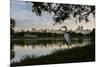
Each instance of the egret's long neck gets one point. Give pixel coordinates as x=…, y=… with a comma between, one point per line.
x=65, y=29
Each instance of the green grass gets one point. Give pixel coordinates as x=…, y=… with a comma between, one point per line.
x=83, y=54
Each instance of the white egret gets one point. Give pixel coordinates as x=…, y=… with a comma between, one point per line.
x=66, y=35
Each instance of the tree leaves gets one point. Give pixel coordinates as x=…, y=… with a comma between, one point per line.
x=62, y=12
x=12, y=23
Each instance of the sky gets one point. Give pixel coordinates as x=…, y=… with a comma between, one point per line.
x=22, y=13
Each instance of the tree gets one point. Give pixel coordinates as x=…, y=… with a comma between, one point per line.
x=12, y=25
x=62, y=12
x=93, y=33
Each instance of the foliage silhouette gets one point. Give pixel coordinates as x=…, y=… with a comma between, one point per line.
x=62, y=12
x=12, y=25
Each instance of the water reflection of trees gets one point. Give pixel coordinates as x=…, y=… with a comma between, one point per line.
x=46, y=43
x=12, y=53
x=37, y=42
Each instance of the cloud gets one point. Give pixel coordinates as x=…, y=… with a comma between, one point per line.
x=24, y=17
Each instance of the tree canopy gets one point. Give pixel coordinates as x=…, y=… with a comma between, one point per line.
x=62, y=12
x=12, y=23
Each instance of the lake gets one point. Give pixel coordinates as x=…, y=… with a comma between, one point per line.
x=36, y=48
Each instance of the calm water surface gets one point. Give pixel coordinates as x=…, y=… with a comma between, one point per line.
x=37, y=48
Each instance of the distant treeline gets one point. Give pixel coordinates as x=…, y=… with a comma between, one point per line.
x=48, y=34
x=37, y=34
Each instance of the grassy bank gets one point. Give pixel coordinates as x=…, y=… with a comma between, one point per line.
x=82, y=54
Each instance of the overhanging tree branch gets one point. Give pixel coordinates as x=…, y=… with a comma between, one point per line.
x=62, y=12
